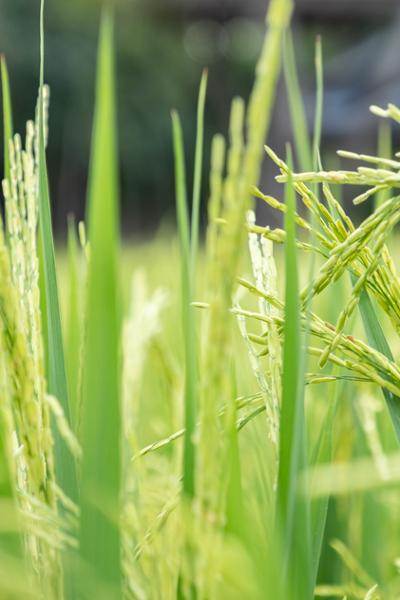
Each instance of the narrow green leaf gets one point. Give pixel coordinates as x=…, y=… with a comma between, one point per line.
x=319, y=506
x=74, y=324
x=188, y=322
x=319, y=102
x=51, y=322
x=198, y=166
x=376, y=339
x=289, y=435
x=292, y=512
x=100, y=484
x=236, y=520
x=296, y=106
x=309, y=160
x=7, y=116
x=181, y=195
x=384, y=151
x=55, y=366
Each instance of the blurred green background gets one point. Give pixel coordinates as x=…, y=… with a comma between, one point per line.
x=162, y=47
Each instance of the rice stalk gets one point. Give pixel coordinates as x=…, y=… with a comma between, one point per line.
x=229, y=202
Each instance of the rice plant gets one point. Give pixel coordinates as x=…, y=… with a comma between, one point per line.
x=234, y=435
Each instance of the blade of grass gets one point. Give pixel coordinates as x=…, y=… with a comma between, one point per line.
x=296, y=106
x=188, y=323
x=292, y=514
x=323, y=449
x=235, y=516
x=7, y=116
x=376, y=339
x=385, y=151
x=188, y=329
x=322, y=455
x=74, y=323
x=308, y=160
x=100, y=486
x=55, y=365
x=319, y=102
x=51, y=323
x=316, y=513
x=198, y=166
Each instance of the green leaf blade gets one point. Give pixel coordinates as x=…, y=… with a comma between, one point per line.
x=7, y=116
x=292, y=516
x=188, y=322
x=51, y=319
x=296, y=106
x=198, y=165
x=74, y=325
x=100, y=486
x=376, y=338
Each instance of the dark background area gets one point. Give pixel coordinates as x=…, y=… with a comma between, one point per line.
x=162, y=46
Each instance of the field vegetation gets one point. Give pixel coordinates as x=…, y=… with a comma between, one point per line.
x=210, y=417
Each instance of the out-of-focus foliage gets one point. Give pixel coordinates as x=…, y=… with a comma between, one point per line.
x=162, y=46
x=160, y=54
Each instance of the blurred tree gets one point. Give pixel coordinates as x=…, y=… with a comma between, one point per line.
x=157, y=70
